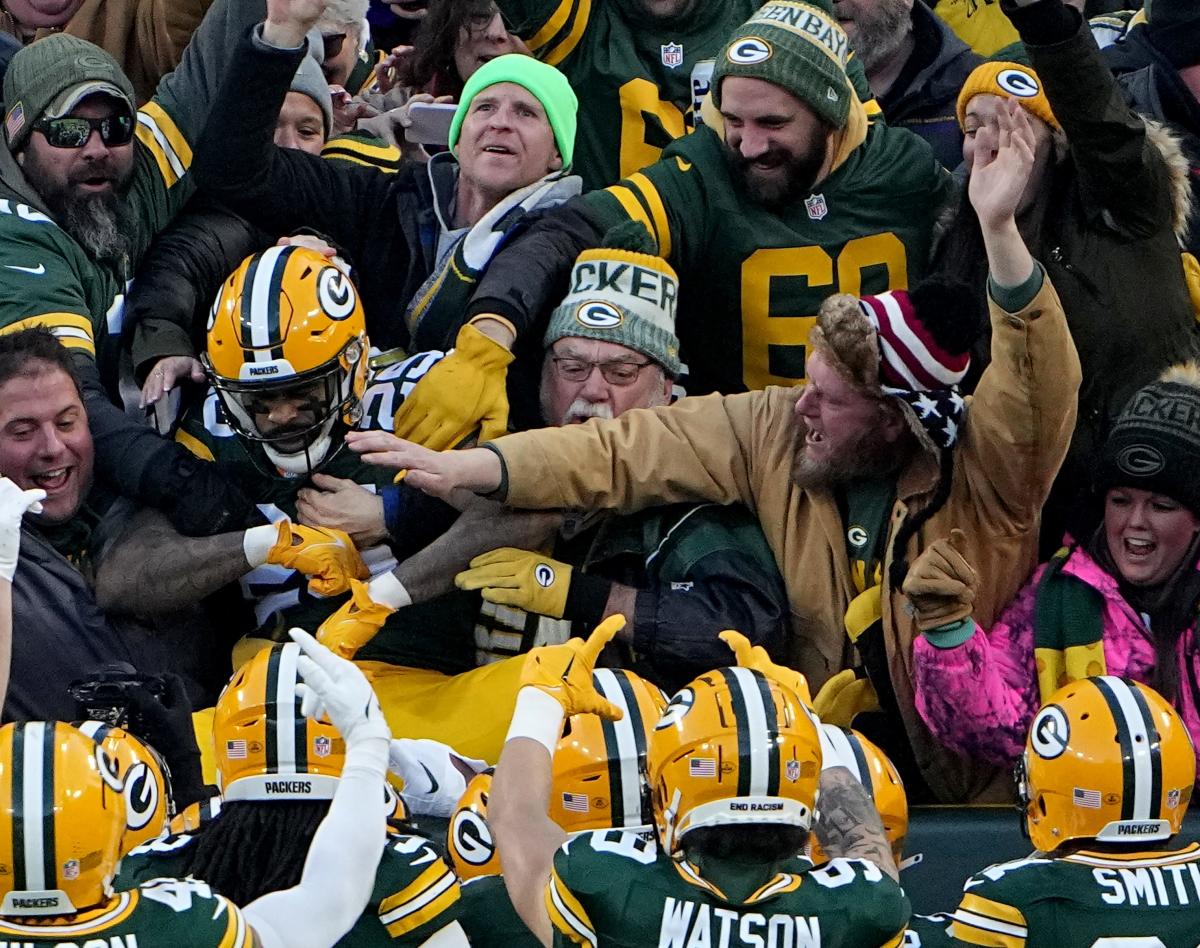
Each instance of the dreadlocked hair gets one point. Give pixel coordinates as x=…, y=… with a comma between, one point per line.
x=255, y=847
x=899, y=567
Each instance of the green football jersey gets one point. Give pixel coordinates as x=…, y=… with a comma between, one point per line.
x=1085, y=900
x=928, y=931
x=48, y=279
x=437, y=635
x=488, y=916
x=751, y=278
x=415, y=895
x=615, y=888
x=165, y=913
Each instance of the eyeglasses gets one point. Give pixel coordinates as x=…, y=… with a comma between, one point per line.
x=333, y=43
x=479, y=21
x=74, y=131
x=615, y=373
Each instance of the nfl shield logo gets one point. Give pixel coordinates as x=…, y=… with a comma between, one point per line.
x=816, y=207
x=70, y=869
x=1172, y=799
x=672, y=55
x=321, y=746
x=792, y=770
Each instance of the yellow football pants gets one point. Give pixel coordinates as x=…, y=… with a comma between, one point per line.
x=469, y=711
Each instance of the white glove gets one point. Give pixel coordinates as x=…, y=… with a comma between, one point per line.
x=14, y=503
x=433, y=785
x=334, y=688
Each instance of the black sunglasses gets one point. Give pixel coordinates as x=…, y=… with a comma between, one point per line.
x=74, y=131
x=333, y=43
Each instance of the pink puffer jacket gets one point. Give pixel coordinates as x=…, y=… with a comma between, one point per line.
x=979, y=697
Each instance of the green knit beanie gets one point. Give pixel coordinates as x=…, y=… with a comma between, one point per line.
x=51, y=76
x=798, y=46
x=548, y=86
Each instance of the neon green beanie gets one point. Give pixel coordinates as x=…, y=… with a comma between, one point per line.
x=545, y=83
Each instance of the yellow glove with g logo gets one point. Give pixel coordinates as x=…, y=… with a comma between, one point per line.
x=355, y=623
x=327, y=557
x=844, y=697
x=463, y=393
x=756, y=657
x=564, y=672
x=512, y=577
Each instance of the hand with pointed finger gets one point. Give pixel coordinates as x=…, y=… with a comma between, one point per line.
x=327, y=557
x=756, y=657
x=335, y=689
x=564, y=672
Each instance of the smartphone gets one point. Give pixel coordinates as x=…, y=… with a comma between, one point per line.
x=430, y=123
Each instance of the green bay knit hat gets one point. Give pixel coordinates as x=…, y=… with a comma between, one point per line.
x=51, y=76
x=622, y=293
x=545, y=83
x=798, y=46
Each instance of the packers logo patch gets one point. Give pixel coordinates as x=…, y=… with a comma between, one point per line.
x=677, y=710
x=1140, y=460
x=1018, y=83
x=335, y=293
x=471, y=838
x=141, y=796
x=749, y=51
x=599, y=315
x=543, y=575
x=1050, y=732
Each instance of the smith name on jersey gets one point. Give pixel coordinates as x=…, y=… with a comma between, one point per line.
x=1145, y=899
x=615, y=888
x=280, y=596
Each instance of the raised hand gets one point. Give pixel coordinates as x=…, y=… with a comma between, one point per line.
x=1002, y=163
x=335, y=689
x=14, y=504
x=756, y=657
x=564, y=672
x=288, y=21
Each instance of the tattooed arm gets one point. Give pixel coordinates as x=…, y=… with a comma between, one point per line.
x=152, y=568
x=848, y=824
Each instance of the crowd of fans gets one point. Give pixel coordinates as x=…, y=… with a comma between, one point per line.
x=646, y=444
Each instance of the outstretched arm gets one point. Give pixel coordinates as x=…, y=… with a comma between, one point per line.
x=849, y=825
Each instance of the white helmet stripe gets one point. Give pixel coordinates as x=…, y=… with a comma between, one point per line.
x=1140, y=744
x=627, y=748
x=842, y=750
x=261, y=302
x=757, y=737
x=33, y=807
x=285, y=708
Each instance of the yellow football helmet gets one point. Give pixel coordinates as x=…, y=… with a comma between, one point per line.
x=876, y=772
x=288, y=322
x=732, y=747
x=265, y=749
x=1106, y=759
x=599, y=767
x=63, y=809
x=143, y=776
x=468, y=837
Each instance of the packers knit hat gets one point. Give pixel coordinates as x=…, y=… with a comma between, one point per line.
x=1011, y=81
x=1173, y=27
x=914, y=347
x=51, y=76
x=624, y=294
x=549, y=86
x=1155, y=443
x=798, y=46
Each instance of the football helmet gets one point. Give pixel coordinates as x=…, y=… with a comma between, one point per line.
x=143, y=775
x=1106, y=759
x=732, y=747
x=599, y=768
x=63, y=808
x=469, y=839
x=288, y=322
x=875, y=771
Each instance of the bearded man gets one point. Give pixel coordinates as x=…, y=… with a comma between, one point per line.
x=915, y=65
x=852, y=475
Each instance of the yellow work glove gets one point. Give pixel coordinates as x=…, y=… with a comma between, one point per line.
x=756, y=657
x=564, y=672
x=843, y=697
x=512, y=577
x=355, y=624
x=462, y=394
x=327, y=557
x=941, y=584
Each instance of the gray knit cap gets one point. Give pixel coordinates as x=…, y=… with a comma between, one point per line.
x=621, y=293
x=50, y=76
x=310, y=81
